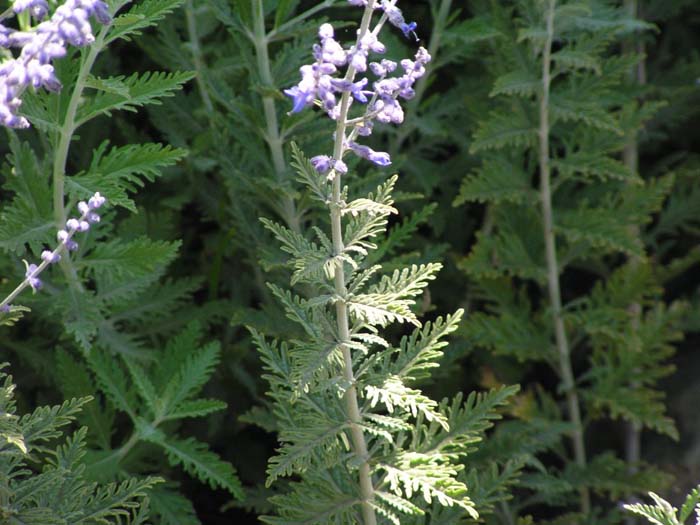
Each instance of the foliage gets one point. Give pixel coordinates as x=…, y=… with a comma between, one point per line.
x=176, y=115
x=663, y=513
x=37, y=477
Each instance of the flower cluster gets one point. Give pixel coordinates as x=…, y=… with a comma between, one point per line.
x=69, y=24
x=88, y=216
x=320, y=83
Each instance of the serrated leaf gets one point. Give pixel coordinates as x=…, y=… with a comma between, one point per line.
x=123, y=170
x=142, y=89
x=198, y=461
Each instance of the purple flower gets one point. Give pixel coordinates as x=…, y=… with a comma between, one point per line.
x=380, y=158
x=37, y=8
x=324, y=164
x=96, y=201
x=321, y=83
x=33, y=281
x=396, y=19
x=5, y=308
x=388, y=110
x=50, y=257
x=409, y=29
x=69, y=24
x=357, y=89
x=383, y=68
x=330, y=51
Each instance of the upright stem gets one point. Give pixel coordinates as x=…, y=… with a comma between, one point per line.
x=272, y=131
x=351, y=397
x=565, y=368
x=65, y=135
x=633, y=431
x=197, y=55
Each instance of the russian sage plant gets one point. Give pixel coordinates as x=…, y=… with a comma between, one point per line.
x=102, y=310
x=364, y=444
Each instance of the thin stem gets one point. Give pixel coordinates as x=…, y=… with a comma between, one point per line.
x=120, y=452
x=351, y=397
x=272, y=132
x=565, y=368
x=197, y=55
x=65, y=135
x=59, y=250
x=633, y=431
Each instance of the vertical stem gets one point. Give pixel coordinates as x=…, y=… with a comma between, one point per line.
x=197, y=55
x=633, y=431
x=562, y=342
x=65, y=135
x=351, y=397
x=272, y=131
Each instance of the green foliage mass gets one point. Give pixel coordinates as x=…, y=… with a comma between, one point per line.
x=143, y=395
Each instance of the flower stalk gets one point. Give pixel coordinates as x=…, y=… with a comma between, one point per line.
x=65, y=244
x=351, y=397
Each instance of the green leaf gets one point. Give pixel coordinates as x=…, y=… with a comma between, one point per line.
x=121, y=261
x=195, y=408
x=147, y=88
x=198, y=461
x=515, y=129
x=599, y=227
x=123, y=170
x=141, y=16
x=112, y=381
x=497, y=180
x=520, y=82
x=192, y=375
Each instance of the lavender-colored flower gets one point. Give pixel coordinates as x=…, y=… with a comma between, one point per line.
x=5, y=308
x=358, y=54
x=37, y=8
x=357, y=89
x=69, y=24
x=321, y=84
x=50, y=257
x=329, y=51
x=31, y=277
x=96, y=201
x=383, y=68
x=324, y=164
x=396, y=19
x=380, y=158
